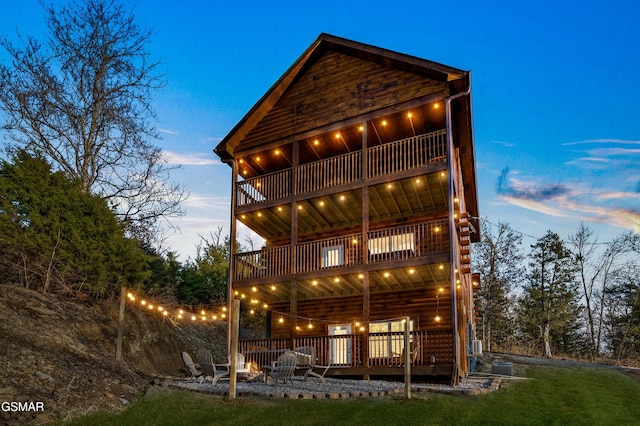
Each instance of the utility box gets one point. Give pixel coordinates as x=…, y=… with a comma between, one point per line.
x=502, y=368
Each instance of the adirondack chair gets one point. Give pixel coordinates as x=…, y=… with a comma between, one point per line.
x=209, y=369
x=283, y=368
x=241, y=365
x=313, y=365
x=191, y=367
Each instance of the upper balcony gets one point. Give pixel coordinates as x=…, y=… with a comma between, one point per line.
x=389, y=245
x=382, y=161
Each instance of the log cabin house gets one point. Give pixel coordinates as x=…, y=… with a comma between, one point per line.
x=357, y=168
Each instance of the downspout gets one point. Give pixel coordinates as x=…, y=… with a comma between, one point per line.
x=452, y=228
x=232, y=250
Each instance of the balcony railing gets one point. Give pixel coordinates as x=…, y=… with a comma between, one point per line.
x=392, y=244
x=407, y=154
x=329, y=172
x=272, y=186
x=382, y=160
x=428, y=348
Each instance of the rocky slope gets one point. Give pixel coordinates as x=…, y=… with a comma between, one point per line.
x=60, y=351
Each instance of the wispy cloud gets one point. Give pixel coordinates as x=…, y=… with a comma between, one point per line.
x=588, y=204
x=601, y=141
x=196, y=201
x=168, y=132
x=600, y=154
x=537, y=192
x=504, y=143
x=193, y=159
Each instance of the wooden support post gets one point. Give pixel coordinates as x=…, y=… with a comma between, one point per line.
x=366, y=288
x=232, y=247
x=293, y=310
x=293, y=293
x=407, y=358
x=235, y=329
x=123, y=301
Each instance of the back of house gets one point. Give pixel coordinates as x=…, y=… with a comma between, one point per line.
x=357, y=169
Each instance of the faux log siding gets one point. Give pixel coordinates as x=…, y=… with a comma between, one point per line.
x=335, y=88
x=420, y=305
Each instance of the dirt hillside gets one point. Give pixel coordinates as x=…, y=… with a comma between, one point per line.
x=60, y=351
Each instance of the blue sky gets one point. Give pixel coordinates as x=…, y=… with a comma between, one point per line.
x=555, y=94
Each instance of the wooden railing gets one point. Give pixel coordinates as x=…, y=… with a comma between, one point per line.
x=329, y=172
x=428, y=348
x=382, y=160
x=329, y=253
x=392, y=244
x=263, y=188
x=406, y=242
x=407, y=154
x=269, y=262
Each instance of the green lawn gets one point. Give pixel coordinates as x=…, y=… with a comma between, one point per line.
x=563, y=396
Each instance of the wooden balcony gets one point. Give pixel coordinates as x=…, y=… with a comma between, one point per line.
x=384, y=245
x=382, y=160
x=431, y=354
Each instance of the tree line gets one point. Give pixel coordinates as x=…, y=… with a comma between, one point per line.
x=573, y=297
x=56, y=237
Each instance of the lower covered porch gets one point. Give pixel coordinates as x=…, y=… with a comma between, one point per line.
x=350, y=353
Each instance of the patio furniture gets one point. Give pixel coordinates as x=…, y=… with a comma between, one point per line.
x=209, y=369
x=312, y=364
x=191, y=367
x=283, y=368
x=241, y=366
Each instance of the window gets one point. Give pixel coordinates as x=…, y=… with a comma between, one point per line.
x=402, y=242
x=386, y=339
x=332, y=256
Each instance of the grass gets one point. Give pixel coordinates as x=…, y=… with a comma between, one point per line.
x=562, y=396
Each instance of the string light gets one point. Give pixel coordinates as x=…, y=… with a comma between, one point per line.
x=202, y=316
x=199, y=314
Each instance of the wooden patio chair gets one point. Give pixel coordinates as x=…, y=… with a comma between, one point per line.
x=209, y=369
x=283, y=368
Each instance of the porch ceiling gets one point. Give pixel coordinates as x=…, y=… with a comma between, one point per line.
x=380, y=281
x=328, y=215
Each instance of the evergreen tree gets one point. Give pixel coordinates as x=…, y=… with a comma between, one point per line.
x=549, y=307
x=56, y=236
x=81, y=99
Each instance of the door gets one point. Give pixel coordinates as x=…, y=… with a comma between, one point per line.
x=340, y=344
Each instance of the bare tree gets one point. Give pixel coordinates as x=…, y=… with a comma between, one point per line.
x=82, y=100
x=498, y=258
x=596, y=270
